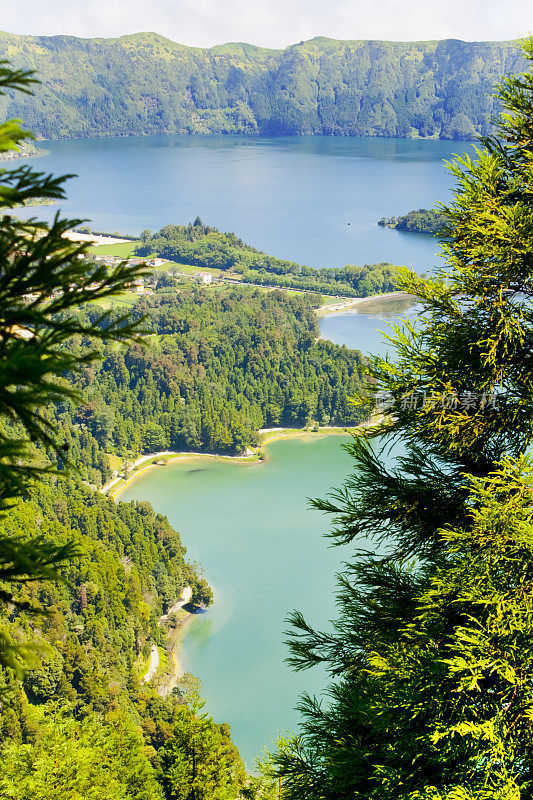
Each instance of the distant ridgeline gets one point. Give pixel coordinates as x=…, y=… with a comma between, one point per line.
x=146, y=84
x=203, y=246
x=422, y=221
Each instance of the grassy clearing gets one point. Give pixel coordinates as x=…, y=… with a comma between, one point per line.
x=190, y=269
x=123, y=300
x=329, y=299
x=122, y=250
x=115, y=462
x=163, y=667
x=141, y=666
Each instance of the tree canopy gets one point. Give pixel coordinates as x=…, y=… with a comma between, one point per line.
x=206, y=247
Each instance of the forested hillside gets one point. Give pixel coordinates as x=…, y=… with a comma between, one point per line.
x=146, y=84
x=102, y=618
x=80, y=720
x=219, y=364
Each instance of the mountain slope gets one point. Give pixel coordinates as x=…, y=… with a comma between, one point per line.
x=146, y=84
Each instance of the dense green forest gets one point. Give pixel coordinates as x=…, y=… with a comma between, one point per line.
x=219, y=364
x=103, y=616
x=203, y=246
x=424, y=220
x=80, y=719
x=146, y=84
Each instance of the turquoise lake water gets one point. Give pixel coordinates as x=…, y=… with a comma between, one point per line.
x=264, y=552
x=250, y=526
x=314, y=200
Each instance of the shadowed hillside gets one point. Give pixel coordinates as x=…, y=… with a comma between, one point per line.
x=146, y=84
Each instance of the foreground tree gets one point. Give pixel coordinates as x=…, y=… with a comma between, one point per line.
x=432, y=654
x=199, y=761
x=73, y=758
x=43, y=277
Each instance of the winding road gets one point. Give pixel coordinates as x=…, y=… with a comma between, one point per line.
x=153, y=662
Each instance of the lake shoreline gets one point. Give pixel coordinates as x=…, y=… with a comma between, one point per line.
x=115, y=487
x=176, y=636
x=352, y=303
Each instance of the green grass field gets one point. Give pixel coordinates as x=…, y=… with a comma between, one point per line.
x=124, y=300
x=190, y=269
x=122, y=250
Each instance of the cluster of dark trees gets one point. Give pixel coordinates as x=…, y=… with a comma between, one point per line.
x=217, y=366
x=204, y=246
x=425, y=220
x=147, y=84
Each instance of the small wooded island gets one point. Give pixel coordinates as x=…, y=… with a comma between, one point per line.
x=424, y=220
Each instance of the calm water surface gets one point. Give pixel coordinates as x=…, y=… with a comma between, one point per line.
x=366, y=327
x=264, y=552
x=314, y=200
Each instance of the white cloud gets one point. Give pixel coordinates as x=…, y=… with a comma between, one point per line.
x=274, y=23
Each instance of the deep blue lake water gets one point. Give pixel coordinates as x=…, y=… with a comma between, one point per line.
x=314, y=200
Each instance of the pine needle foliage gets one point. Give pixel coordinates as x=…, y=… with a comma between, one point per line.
x=431, y=656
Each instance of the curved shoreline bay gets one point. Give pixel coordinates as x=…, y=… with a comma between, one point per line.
x=115, y=487
x=263, y=551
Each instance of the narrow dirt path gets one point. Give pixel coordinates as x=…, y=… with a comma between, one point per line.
x=153, y=665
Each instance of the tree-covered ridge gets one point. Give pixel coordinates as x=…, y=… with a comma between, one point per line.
x=425, y=220
x=219, y=365
x=145, y=83
x=80, y=719
x=206, y=247
x=101, y=619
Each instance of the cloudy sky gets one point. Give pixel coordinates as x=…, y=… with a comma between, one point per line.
x=273, y=23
